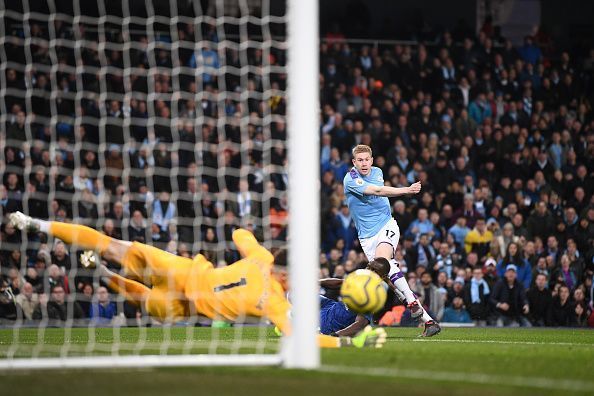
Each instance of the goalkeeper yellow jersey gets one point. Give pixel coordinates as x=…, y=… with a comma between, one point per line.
x=244, y=288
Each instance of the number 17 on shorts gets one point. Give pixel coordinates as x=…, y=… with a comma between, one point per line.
x=390, y=234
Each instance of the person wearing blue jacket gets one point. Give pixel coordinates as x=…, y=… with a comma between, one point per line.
x=513, y=256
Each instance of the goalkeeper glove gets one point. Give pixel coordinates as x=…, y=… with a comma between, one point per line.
x=89, y=259
x=369, y=337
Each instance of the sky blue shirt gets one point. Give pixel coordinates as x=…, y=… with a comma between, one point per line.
x=370, y=212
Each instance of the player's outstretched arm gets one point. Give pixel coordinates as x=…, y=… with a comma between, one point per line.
x=387, y=191
x=359, y=324
x=276, y=310
x=247, y=245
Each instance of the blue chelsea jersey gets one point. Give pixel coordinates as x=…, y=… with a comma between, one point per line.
x=334, y=316
x=369, y=212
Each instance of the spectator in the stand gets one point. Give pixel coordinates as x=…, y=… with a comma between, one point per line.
x=562, y=311
x=245, y=204
x=432, y=299
x=530, y=52
x=158, y=236
x=468, y=211
x=480, y=109
x=338, y=167
x=444, y=261
x=514, y=256
x=402, y=216
x=539, y=299
x=27, y=301
x=55, y=277
x=344, y=228
x=476, y=297
x=565, y=274
x=110, y=229
x=423, y=255
x=163, y=211
x=421, y=225
x=479, y=239
x=456, y=290
x=8, y=308
x=137, y=227
x=507, y=236
x=56, y=307
x=60, y=256
x=460, y=230
x=582, y=310
x=102, y=309
x=85, y=298
x=456, y=313
x=509, y=300
x=540, y=223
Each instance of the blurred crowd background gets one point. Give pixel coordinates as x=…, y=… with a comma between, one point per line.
x=150, y=137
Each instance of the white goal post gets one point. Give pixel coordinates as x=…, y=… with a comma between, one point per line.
x=304, y=187
x=298, y=350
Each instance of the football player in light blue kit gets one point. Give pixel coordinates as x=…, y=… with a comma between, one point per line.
x=367, y=199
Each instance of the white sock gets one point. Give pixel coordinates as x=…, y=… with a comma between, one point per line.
x=402, y=285
x=403, y=291
x=425, y=318
x=44, y=226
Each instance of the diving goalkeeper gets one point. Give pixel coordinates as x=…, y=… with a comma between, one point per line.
x=182, y=287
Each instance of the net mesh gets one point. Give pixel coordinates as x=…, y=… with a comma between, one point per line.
x=158, y=122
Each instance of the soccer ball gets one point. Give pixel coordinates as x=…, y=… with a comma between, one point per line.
x=363, y=292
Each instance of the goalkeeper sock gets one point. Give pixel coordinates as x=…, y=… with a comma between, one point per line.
x=82, y=236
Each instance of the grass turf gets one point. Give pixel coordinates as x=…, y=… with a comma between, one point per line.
x=457, y=362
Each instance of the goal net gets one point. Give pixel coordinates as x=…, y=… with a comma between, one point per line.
x=167, y=124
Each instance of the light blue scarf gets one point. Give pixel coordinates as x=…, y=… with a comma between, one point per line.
x=475, y=296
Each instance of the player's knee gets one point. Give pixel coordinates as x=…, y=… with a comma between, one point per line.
x=384, y=249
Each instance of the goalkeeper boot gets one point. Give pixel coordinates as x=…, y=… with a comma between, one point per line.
x=431, y=328
x=369, y=338
x=23, y=222
x=89, y=259
x=415, y=309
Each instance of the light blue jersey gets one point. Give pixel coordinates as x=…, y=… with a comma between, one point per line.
x=369, y=212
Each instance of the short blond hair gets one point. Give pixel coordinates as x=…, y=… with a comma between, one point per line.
x=362, y=148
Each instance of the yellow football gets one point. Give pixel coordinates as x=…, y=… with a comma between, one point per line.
x=363, y=291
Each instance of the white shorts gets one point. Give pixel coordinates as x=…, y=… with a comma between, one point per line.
x=390, y=233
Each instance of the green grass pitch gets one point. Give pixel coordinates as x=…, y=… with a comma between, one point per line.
x=457, y=362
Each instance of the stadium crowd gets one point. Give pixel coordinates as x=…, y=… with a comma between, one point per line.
x=501, y=137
